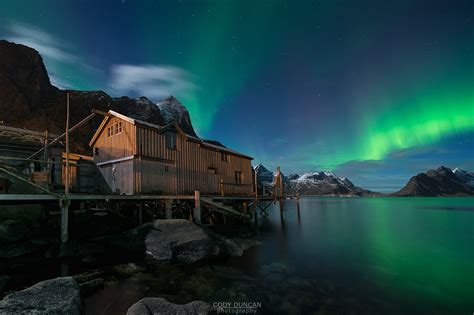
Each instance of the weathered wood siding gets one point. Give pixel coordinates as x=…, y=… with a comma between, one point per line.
x=201, y=168
x=151, y=143
x=122, y=181
x=117, y=146
x=158, y=169
x=155, y=176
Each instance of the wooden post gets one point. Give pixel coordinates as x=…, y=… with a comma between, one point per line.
x=65, y=201
x=140, y=213
x=222, y=187
x=255, y=211
x=197, y=207
x=64, y=204
x=168, y=210
x=45, y=153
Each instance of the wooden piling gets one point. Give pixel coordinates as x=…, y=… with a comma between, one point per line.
x=65, y=201
x=168, y=210
x=255, y=204
x=140, y=213
x=64, y=204
x=197, y=207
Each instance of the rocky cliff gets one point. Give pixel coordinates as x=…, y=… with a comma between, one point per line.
x=28, y=100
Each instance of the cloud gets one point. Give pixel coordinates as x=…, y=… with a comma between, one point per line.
x=153, y=81
x=55, y=52
x=47, y=45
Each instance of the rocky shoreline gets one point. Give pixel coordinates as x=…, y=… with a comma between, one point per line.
x=161, y=242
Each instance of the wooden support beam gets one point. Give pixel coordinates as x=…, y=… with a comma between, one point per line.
x=78, y=125
x=64, y=204
x=197, y=207
x=168, y=209
x=140, y=213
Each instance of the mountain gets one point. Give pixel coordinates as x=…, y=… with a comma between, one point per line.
x=325, y=183
x=440, y=182
x=171, y=109
x=316, y=183
x=29, y=100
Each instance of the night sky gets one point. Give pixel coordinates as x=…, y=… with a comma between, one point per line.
x=376, y=91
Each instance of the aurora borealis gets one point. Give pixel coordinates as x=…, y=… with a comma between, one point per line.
x=375, y=91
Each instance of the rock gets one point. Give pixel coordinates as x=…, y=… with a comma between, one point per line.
x=88, y=276
x=55, y=296
x=179, y=241
x=92, y=286
x=232, y=246
x=127, y=270
x=12, y=231
x=162, y=306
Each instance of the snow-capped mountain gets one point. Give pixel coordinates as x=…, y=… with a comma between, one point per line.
x=171, y=109
x=464, y=176
x=440, y=182
x=315, y=183
x=324, y=183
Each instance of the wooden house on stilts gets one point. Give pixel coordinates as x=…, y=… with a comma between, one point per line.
x=137, y=157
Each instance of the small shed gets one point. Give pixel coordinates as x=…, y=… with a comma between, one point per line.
x=16, y=145
x=137, y=157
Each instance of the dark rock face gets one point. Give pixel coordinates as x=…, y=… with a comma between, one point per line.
x=150, y=306
x=24, y=82
x=55, y=296
x=440, y=182
x=28, y=100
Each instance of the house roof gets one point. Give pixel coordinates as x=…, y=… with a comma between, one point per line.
x=172, y=125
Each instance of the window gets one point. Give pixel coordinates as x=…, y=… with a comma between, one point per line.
x=238, y=177
x=166, y=169
x=224, y=157
x=114, y=129
x=170, y=139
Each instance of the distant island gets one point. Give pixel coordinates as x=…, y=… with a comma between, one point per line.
x=440, y=182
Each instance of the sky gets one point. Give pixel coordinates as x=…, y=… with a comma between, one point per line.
x=376, y=91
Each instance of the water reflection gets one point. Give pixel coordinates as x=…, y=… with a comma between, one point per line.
x=337, y=256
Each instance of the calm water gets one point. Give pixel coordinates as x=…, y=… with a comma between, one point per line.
x=339, y=256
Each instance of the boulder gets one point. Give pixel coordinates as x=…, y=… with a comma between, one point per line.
x=179, y=241
x=54, y=296
x=150, y=306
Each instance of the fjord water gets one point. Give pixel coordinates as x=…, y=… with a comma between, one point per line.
x=397, y=255
x=338, y=256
